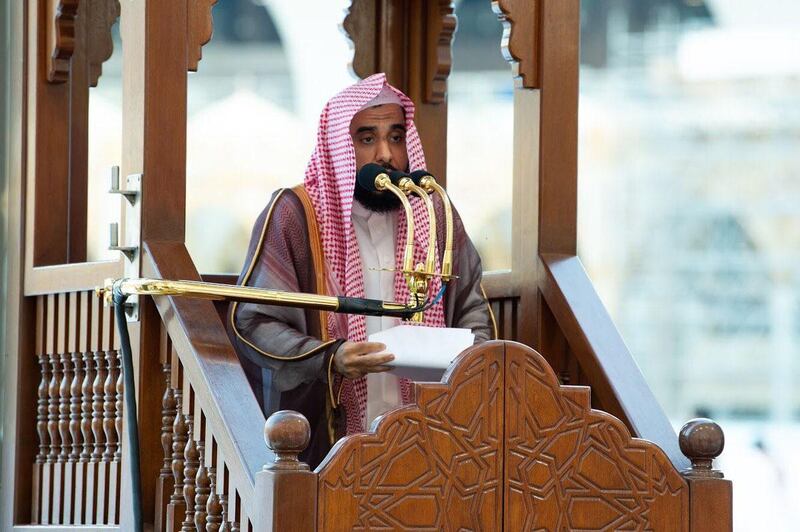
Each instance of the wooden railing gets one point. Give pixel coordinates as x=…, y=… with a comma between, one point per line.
x=212, y=427
x=482, y=450
x=77, y=471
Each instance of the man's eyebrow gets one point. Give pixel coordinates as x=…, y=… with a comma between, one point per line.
x=399, y=126
x=369, y=129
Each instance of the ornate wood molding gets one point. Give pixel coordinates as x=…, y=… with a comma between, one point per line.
x=60, y=16
x=100, y=17
x=66, y=18
x=439, y=50
x=201, y=27
x=410, y=41
x=521, y=38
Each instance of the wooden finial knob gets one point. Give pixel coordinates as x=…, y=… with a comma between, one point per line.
x=287, y=433
x=702, y=440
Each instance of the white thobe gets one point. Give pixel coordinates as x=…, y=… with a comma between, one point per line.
x=375, y=232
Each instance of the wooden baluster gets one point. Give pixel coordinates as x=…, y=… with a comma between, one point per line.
x=109, y=406
x=213, y=506
x=202, y=490
x=179, y=436
x=98, y=513
x=164, y=486
x=118, y=409
x=80, y=418
x=110, y=431
x=52, y=428
x=64, y=487
x=42, y=409
x=41, y=431
x=226, y=525
x=116, y=457
x=86, y=431
x=191, y=463
x=52, y=410
x=75, y=400
x=97, y=406
x=72, y=509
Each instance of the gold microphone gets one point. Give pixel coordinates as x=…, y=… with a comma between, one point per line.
x=426, y=181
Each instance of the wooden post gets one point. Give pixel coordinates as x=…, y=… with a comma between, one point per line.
x=286, y=490
x=710, y=495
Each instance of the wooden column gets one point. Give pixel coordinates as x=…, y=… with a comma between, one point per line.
x=541, y=41
x=410, y=41
x=154, y=116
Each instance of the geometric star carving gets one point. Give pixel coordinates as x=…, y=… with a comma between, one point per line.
x=499, y=444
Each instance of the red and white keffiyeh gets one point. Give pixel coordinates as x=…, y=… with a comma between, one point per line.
x=330, y=181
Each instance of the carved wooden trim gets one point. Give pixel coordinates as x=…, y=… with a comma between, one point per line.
x=100, y=17
x=500, y=439
x=439, y=49
x=60, y=28
x=521, y=44
x=571, y=467
x=434, y=465
x=404, y=39
x=201, y=27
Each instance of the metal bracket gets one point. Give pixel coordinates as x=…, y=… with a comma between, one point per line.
x=113, y=243
x=133, y=185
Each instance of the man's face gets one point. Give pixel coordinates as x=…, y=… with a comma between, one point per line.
x=379, y=136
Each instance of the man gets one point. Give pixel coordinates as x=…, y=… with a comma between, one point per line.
x=332, y=237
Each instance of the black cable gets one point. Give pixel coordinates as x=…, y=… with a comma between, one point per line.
x=131, y=422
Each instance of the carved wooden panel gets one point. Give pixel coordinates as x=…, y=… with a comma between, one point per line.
x=201, y=26
x=572, y=468
x=436, y=465
x=521, y=37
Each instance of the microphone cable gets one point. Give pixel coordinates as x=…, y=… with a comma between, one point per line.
x=131, y=422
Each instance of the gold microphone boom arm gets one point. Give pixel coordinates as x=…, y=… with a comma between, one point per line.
x=248, y=294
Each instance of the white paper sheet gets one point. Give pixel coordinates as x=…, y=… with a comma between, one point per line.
x=423, y=353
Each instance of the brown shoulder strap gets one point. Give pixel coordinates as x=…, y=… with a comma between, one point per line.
x=317, y=257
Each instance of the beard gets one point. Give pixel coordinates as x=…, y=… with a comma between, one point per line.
x=378, y=201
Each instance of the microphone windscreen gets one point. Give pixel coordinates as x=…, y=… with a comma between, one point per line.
x=366, y=176
x=397, y=175
x=417, y=175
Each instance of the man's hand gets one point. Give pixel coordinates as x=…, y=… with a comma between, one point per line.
x=356, y=359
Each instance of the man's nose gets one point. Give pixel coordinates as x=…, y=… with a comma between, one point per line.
x=383, y=154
